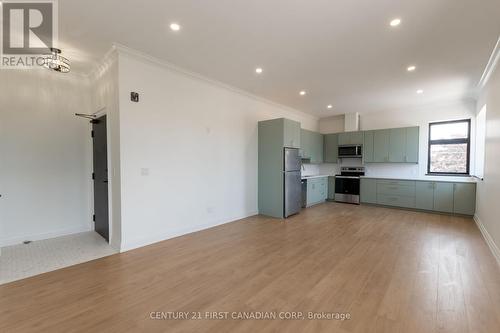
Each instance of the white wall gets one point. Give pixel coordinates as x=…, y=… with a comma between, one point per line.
x=412, y=117
x=488, y=191
x=45, y=155
x=188, y=151
x=333, y=124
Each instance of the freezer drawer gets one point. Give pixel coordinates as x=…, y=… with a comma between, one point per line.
x=293, y=193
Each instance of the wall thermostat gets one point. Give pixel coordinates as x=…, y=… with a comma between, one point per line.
x=134, y=97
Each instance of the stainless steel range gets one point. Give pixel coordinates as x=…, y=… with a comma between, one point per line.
x=347, y=184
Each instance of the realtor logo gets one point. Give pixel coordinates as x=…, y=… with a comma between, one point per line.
x=28, y=28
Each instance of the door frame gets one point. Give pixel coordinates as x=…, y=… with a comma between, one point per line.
x=113, y=242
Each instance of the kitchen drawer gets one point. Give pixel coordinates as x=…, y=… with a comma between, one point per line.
x=396, y=182
x=396, y=190
x=396, y=201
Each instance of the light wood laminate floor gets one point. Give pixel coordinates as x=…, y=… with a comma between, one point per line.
x=391, y=270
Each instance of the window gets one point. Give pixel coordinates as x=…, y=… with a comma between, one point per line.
x=449, y=147
x=480, y=142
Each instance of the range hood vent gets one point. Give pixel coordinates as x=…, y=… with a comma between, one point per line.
x=351, y=122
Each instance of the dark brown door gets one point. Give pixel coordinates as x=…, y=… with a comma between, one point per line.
x=100, y=175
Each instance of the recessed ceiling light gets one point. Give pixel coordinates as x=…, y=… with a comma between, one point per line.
x=175, y=27
x=420, y=91
x=302, y=93
x=258, y=70
x=411, y=68
x=329, y=106
x=395, y=22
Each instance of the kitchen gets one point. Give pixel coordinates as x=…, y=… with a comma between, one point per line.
x=377, y=167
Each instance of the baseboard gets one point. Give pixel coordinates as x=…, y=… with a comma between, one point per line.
x=46, y=235
x=489, y=240
x=137, y=243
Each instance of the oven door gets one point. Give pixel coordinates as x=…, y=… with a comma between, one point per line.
x=347, y=189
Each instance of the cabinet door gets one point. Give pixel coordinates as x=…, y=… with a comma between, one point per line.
x=305, y=143
x=317, y=148
x=368, y=147
x=331, y=151
x=331, y=188
x=443, y=197
x=425, y=195
x=368, y=190
x=381, y=146
x=291, y=133
x=412, y=145
x=345, y=138
x=323, y=188
x=397, y=145
x=464, y=199
x=356, y=138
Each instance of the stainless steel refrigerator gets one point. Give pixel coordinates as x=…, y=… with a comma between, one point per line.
x=292, y=181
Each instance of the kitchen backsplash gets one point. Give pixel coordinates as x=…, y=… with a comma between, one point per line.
x=371, y=169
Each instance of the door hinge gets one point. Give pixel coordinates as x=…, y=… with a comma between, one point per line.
x=93, y=217
x=93, y=175
x=92, y=133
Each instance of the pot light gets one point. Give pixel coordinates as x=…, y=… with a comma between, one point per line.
x=329, y=106
x=420, y=91
x=175, y=27
x=411, y=68
x=395, y=22
x=302, y=93
x=258, y=70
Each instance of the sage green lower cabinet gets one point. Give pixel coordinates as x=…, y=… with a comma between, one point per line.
x=368, y=190
x=397, y=193
x=443, y=197
x=317, y=190
x=331, y=188
x=425, y=195
x=464, y=198
x=331, y=148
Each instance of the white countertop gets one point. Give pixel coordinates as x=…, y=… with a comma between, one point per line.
x=314, y=176
x=450, y=179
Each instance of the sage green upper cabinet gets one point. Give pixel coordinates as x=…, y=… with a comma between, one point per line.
x=412, y=142
x=368, y=147
x=312, y=146
x=351, y=138
x=331, y=145
x=381, y=145
x=357, y=138
x=425, y=195
x=344, y=138
x=397, y=145
x=464, y=198
x=291, y=133
x=443, y=197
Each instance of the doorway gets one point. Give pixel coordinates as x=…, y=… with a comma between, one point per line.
x=100, y=176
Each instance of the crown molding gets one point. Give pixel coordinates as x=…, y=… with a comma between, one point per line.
x=490, y=67
x=169, y=66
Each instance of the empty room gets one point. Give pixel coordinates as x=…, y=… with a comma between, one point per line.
x=250, y=166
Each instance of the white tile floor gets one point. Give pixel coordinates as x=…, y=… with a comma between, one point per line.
x=25, y=260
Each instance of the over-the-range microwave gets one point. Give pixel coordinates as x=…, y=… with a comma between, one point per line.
x=352, y=151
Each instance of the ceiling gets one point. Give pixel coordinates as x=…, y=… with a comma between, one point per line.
x=341, y=52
